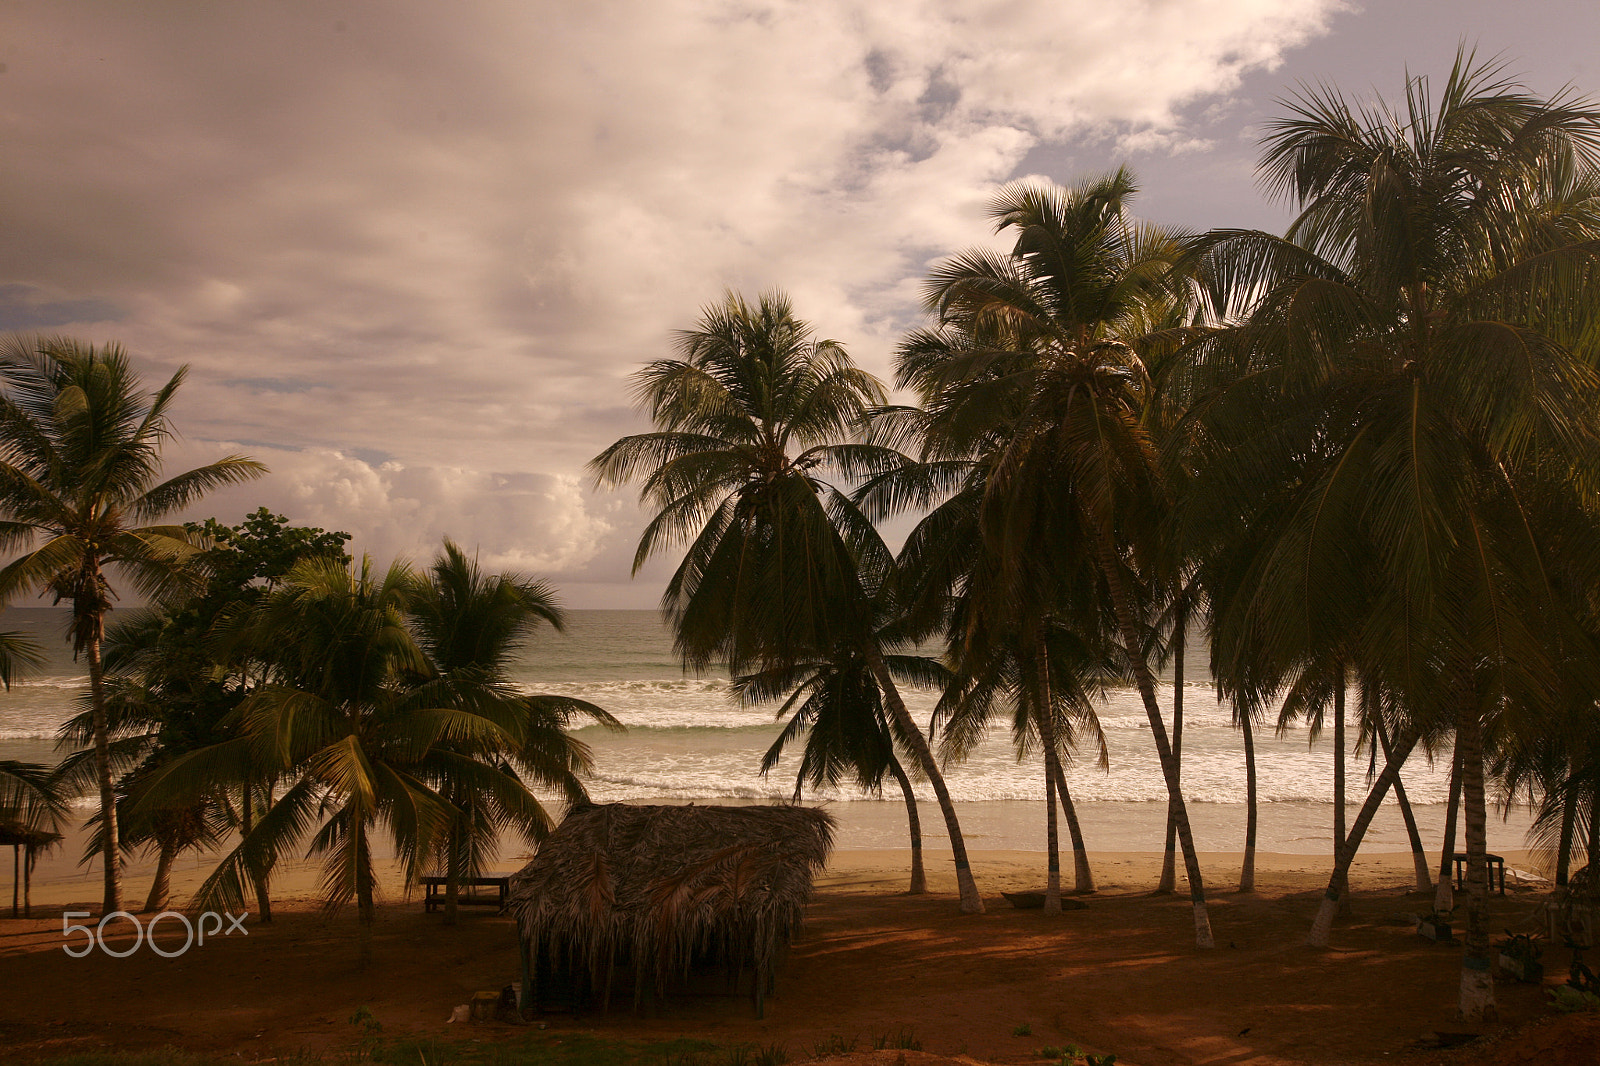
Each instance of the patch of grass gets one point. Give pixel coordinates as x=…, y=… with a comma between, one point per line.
x=833, y=1045
x=1569, y=1000
x=904, y=1040
x=752, y=1055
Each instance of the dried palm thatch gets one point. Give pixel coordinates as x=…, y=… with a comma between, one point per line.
x=661, y=885
x=26, y=843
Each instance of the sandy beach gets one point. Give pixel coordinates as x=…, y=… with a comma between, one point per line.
x=1121, y=975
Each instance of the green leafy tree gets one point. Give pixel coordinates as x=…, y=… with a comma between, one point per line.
x=80, y=473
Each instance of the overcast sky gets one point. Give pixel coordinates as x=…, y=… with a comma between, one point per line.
x=412, y=251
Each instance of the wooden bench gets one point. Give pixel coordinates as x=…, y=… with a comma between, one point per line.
x=434, y=886
x=1494, y=862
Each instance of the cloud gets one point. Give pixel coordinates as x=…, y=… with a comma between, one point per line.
x=539, y=524
x=445, y=234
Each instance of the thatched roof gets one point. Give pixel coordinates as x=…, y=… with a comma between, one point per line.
x=14, y=834
x=662, y=883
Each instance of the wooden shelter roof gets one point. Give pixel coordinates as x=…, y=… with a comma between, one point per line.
x=660, y=884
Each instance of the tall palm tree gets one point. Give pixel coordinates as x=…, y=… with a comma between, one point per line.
x=1034, y=368
x=1395, y=377
x=748, y=420
x=80, y=471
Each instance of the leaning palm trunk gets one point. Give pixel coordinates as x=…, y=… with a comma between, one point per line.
x=1419, y=857
x=258, y=876
x=919, y=878
x=1082, y=875
x=102, y=764
x=1477, y=979
x=1052, y=769
x=1444, y=897
x=161, y=886
x=1338, y=883
x=1169, y=872
x=971, y=902
x=1569, y=818
x=1247, y=876
x=1122, y=604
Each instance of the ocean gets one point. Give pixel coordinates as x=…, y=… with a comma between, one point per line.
x=688, y=741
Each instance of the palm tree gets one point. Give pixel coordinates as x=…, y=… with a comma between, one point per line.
x=1393, y=378
x=370, y=733
x=1051, y=681
x=1033, y=370
x=836, y=705
x=470, y=626
x=778, y=559
x=80, y=463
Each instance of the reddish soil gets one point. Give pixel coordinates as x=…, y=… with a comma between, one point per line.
x=1121, y=976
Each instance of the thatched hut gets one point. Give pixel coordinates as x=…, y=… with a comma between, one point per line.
x=657, y=889
x=26, y=844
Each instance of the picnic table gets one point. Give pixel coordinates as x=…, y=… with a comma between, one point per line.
x=1494, y=862
x=434, y=891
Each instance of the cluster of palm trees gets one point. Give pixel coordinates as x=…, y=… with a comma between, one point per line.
x=277, y=689
x=1362, y=454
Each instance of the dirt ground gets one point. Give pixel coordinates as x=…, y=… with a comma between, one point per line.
x=1121, y=975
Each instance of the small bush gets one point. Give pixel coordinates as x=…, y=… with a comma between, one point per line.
x=1569, y=1000
x=1023, y=1030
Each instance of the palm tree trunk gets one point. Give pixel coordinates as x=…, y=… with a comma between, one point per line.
x=452, y=875
x=1169, y=873
x=16, y=878
x=1338, y=762
x=366, y=913
x=1322, y=926
x=1593, y=855
x=1444, y=896
x=1419, y=856
x=161, y=886
x=919, y=878
x=29, y=857
x=1082, y=876
x=258, y=878
x=1338, y=779
x=112, y=900
x=1044, y=719
x=1477, y=979
x=1569, y=818
x=1247, y=876
x=971, y=902
x=1122, y=604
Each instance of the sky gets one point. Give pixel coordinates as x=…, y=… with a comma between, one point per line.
x=411, y=252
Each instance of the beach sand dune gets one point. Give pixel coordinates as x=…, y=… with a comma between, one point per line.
x=1121, y=975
